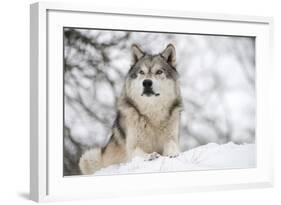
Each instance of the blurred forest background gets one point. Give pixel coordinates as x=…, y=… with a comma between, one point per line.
x=217, y=75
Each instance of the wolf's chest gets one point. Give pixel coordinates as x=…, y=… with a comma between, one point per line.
x=151, y=137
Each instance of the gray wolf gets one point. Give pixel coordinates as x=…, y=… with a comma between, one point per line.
x=148, y=113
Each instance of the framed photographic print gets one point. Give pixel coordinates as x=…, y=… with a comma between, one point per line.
x=128, y=102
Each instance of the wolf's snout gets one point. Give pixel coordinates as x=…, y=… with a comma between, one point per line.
x=147, y=83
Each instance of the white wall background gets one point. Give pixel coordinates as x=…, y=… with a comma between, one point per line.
x=14, y=103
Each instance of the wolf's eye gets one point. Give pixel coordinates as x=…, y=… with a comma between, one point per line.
x=158, y=72
x=141, y=72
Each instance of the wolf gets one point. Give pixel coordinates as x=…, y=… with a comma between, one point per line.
x=147, y=122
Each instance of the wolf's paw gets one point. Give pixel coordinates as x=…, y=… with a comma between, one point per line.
x=153, y=156
x=173, y=155
x=171, y=149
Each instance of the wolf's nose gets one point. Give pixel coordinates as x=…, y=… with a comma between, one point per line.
x=147, y=83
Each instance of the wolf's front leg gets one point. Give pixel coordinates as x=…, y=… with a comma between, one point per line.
x=171, y=149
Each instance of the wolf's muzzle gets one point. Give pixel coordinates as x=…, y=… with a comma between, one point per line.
x=147, y=88
x=147, y=84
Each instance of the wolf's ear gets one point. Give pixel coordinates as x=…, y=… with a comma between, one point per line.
x=169, y=54
x=137, y=53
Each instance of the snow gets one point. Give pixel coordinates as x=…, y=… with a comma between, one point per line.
x=207, y=157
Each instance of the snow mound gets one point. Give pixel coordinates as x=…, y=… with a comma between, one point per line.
x=206, y=157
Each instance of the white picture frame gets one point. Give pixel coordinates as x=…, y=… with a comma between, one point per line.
x=46, y=179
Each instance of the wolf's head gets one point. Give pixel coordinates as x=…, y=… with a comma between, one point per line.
x=153, y=78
